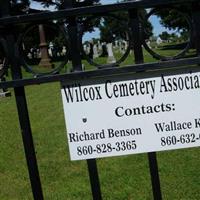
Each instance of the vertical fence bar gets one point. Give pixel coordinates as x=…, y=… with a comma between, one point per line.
x=136, y=36
x=74, y=45
x=135, y=26
x=24, y=120
x=77, y=66
x=155, y=181
x=196, y=26
x=94, y=179
x=23, y=115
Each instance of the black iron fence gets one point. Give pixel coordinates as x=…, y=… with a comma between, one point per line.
x=68, y=23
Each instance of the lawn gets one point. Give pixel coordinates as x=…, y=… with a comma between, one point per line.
x=121, y=178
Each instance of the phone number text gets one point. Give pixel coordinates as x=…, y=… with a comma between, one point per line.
x=106, y=148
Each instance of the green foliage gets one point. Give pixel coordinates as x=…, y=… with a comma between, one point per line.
x=173, y=37
x=112, y=28
x=165, y=35
x=184, y=35
x=175, y=18
x=117, y=27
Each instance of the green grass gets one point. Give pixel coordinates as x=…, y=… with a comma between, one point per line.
x=122, y=178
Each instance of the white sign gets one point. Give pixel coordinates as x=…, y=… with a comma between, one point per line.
x=120, y=115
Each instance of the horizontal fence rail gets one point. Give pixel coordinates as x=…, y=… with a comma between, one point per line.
x=97, y=9
x=103, y=72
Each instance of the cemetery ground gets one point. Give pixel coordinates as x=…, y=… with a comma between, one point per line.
x=121, y=178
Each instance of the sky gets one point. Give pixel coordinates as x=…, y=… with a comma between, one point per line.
x=157, y=28
x=108, y=1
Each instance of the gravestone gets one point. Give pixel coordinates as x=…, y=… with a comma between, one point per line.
x=87, y=48
x=50, y=52
x=125, y=45
x=95, y=51
x=43, y=51
x=3, y=91
x=64, y=50
x=111, y=58
x=99, y=47
x=116, y=44
x=121, y=47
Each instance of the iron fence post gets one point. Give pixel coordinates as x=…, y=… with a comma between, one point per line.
x=136, y=42
x=75, y=54
x=22, y=108
x=24, y=121
x=94, y=179
x=136, y=30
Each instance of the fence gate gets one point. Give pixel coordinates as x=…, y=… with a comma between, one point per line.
x=125, y=31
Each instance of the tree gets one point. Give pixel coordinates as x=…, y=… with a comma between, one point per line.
x=114, y=27
x=174, y=18
x=117, y=28
x=178, y=19
x=164, y=35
